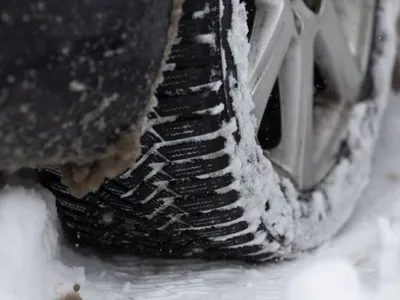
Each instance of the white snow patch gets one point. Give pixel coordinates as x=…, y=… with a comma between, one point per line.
x=337, y=278
x=169, y=67
x=202, y=13
x=77, y=87
x=29, y=249
x=207, y=38
x=213, y=86
x=22, y=224
x=329, y=280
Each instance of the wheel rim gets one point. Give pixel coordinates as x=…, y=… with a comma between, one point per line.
x=307, y=61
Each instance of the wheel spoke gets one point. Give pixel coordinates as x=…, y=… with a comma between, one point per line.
x=365, y=36
x=356, y=19
x=272, y=33
x=292, y=39
x=333, y=55
x=294, y=153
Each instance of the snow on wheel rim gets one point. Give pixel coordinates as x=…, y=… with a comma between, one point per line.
x=307, y=61
x=298, y=220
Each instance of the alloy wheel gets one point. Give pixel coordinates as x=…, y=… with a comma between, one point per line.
x=307, y=62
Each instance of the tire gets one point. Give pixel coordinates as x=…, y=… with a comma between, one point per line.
x=54, y=96
x=203, y=187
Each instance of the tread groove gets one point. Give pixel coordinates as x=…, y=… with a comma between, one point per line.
x=164, y=206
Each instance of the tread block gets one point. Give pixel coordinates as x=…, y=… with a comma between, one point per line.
x=193, y=56
x=188, y=128
x=240, y=251
x=192, y=149
x=164, y=205
x=180, y=79
x=235, y=241
x=149, y=138
x=186, y=105
x=200, y=186
x=213, y=218
x=192, y=6
x=218, y=231
x=198, y=204
x=197, y=167
x=197, y=26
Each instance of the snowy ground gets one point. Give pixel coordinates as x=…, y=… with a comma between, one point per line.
x=363, y=262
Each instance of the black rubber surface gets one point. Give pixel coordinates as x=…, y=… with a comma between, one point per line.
x=178, y=200
x=169, y=204
x=66, y=69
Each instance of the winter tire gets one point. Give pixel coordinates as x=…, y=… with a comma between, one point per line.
x=55, y=97
x=216, y=180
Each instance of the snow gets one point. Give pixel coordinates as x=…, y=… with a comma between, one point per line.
x=330, y=280
x=338, y=278
x=361, y=263
x=76, y=86
x=17, y=231
x=202, y=13
x=259, y=183
x=29, y=247
x=207, y=38
x=303, y=225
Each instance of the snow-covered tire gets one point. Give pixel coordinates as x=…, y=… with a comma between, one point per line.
x=203, y=187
